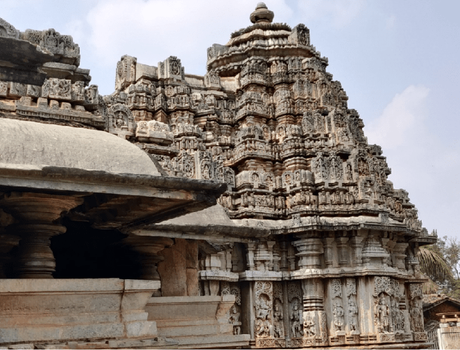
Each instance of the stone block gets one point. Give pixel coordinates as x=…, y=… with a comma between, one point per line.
x=33, y=90
x=141, y=329
x=17, y=89
x=54, y=104
x=192, y=282
x=3, y=88
x=25, y=101
x=52, y=310
x=172, y=269
x=42, y=102
x=66, y=105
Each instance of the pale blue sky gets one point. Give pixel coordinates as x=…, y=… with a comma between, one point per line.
x=397, y=60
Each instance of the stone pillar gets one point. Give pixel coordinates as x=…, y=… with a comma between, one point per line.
x=148, y=249
x=283, y=262
x=399, y=254
x=356, y=243
x=36, y=215
x=309, y=252
x=250, y=255
x=343, y=250
x=328, y=253
x=191, y=262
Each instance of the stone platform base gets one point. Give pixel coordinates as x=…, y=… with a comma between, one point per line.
x=196, y=322
x=53, y=310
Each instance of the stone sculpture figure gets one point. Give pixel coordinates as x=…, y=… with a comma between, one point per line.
x=296, y=327
x=278, y=328
x=309, y=327
x=382, y=315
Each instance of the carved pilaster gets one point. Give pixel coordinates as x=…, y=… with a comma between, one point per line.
x=294, y=330
x=278, y=312
x=416, y=312
x=283, y=256
x=338, y=312
x=352, y=311
x=314, y=316
x=250, y=255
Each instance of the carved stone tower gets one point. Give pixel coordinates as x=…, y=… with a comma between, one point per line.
x=310, y=245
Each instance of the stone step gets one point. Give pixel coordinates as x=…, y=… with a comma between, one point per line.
x=194, y=329
x=213, y=341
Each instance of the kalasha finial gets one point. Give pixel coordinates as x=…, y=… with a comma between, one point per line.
x=262, y=14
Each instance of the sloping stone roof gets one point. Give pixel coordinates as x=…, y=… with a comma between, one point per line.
x=33, y=145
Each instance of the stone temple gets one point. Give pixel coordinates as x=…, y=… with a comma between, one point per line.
x=242, y=208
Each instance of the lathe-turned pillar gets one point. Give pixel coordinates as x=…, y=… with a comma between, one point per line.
x=36, y=221
x=148, y=249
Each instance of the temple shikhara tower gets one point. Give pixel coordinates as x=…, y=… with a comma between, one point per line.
x=243, y=208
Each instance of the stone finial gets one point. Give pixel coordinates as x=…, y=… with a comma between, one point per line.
x=262, y=14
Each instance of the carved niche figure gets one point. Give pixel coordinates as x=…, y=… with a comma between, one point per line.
x=263, y=325
x=120, y=117
x=296, y=326
x=235, y=319
x=349, y=172
x=336, y=288
x=382, y=315
x=336, y=167
x=174, y=66
x=278, y=329
x=263, y=308
x=206, y=166
x=363, y=165
x=322, y=167
x=416, y=314
x=352, y=306
x=338, y=314
x=352, y=315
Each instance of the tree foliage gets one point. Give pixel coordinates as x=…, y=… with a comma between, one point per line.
x=440, y=262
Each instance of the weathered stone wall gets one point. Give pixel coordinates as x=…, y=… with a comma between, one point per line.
x=449, y=336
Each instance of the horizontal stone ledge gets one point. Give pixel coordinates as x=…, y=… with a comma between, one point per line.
x=75, y=285
x=78, y=180
x=190, y=299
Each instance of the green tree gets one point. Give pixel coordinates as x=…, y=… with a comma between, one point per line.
x=440, y=262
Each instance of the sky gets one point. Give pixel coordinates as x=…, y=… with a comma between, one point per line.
x=397, y=61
